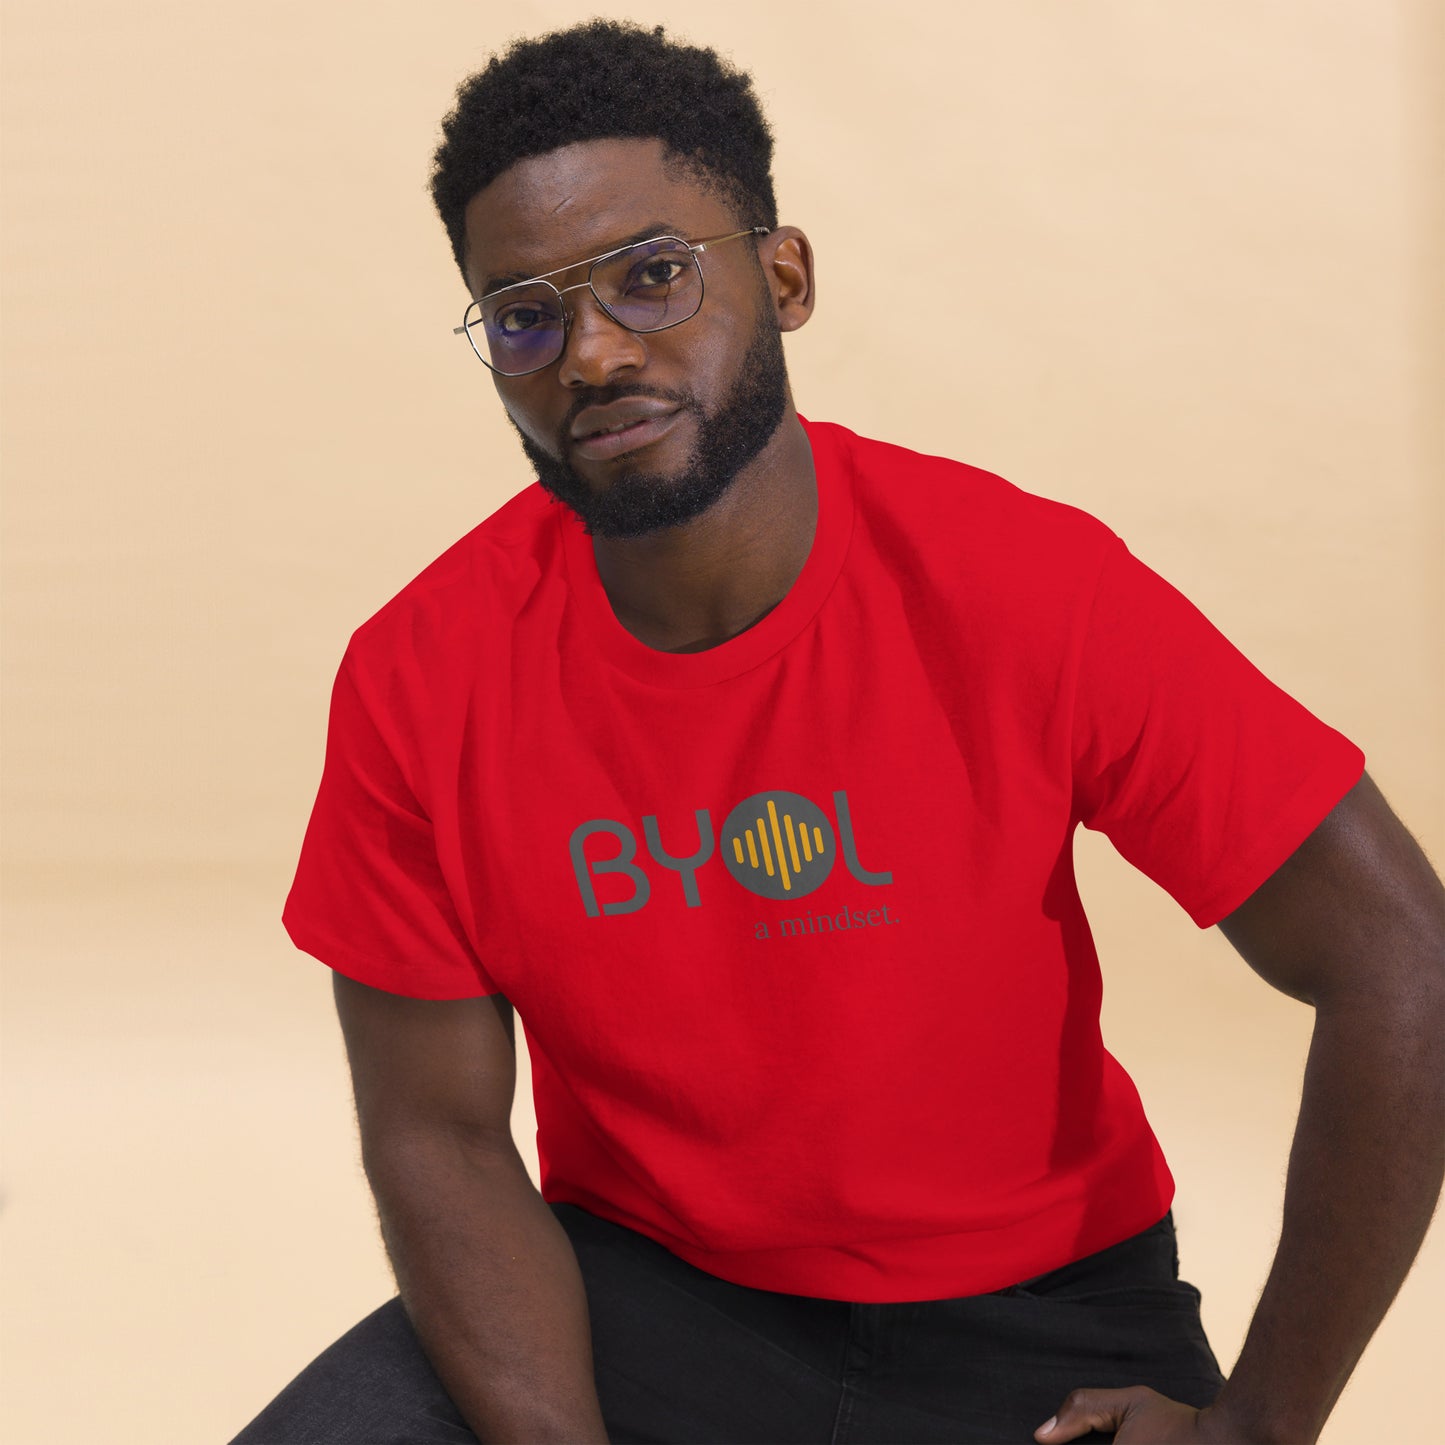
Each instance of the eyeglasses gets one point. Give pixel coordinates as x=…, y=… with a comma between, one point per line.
x=647, y=286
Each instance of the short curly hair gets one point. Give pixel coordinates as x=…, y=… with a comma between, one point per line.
x=595, y=81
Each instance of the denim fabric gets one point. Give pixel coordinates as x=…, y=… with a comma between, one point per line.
x=682, y=1356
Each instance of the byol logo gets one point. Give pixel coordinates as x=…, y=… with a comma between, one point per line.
x=776, y=844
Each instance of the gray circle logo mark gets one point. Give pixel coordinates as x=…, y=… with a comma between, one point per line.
x=778, y=845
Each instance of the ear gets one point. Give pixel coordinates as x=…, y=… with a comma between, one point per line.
x=787, y=259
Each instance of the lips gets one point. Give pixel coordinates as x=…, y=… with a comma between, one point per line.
x=602, y=432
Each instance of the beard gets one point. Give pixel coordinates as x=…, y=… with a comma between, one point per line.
x=636, y=501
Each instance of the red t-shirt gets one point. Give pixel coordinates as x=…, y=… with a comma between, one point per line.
x=791, y=924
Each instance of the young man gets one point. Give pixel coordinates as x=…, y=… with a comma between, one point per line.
x=748, y=774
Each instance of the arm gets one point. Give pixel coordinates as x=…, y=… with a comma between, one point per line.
x=488, y=1277
x=1354, y=925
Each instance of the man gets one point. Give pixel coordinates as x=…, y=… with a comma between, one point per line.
x=748, y=774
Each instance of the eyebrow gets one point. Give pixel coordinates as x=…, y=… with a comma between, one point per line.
x=647, y=233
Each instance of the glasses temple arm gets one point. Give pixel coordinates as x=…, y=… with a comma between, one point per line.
x=717, y=241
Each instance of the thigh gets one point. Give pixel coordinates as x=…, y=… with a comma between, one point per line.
x=374, y=1386
x=681, y=1356
x=992, y=1368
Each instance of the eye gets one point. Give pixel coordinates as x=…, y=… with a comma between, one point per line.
x=523, y=316
x=657, y=271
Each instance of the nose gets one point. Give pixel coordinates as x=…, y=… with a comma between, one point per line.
x=597, y=348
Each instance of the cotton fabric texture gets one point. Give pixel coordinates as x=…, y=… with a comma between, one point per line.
x=791, y=923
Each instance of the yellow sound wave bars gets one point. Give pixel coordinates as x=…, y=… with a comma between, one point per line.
x=811, y=847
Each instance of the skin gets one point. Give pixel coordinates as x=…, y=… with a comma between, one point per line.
x=1353, y=925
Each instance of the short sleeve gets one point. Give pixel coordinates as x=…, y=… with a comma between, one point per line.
x=369, y=898
x=1202, y=772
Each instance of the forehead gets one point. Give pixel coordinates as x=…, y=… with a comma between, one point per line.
x=577, y=201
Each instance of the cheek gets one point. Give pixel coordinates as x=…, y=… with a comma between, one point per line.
x=527, y=419
x=732, y=329
x=706, y=362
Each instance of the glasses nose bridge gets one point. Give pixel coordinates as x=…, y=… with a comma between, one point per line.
x=569, y=313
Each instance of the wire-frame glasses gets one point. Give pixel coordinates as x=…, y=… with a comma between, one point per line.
x=647, y=286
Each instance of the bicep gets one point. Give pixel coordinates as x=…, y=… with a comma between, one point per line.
x=1356, y=910
x=422, y=1066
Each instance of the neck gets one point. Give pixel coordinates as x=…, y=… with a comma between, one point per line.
x=692, y=587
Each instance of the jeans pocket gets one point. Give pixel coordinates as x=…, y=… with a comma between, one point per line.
x=1176, y=1295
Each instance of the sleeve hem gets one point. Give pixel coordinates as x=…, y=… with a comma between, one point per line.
x=1305, y=811
x=361, y=968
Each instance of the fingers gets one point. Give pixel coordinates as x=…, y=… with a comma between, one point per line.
x=1085, y=1410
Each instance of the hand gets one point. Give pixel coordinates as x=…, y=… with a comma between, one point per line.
x=1139, y=1416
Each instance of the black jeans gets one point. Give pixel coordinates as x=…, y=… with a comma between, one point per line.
x=682, y=1356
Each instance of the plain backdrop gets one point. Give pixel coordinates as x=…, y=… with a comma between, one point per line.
x=1183, y=270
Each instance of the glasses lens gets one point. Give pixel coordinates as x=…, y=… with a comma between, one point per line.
x=650, y=286
x=517, y=330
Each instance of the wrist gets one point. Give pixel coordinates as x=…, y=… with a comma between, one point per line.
x=1233, y=1420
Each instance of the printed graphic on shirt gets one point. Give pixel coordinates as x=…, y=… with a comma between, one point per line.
x=777, y=844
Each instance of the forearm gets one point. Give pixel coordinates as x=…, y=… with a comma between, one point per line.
x=491, y=1284
x=1365, y=1171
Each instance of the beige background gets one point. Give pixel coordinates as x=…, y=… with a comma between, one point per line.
x=1190, y=260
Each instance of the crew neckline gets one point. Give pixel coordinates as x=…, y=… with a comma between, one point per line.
x=832, y=469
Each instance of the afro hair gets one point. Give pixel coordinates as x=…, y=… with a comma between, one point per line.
x=596, y=81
